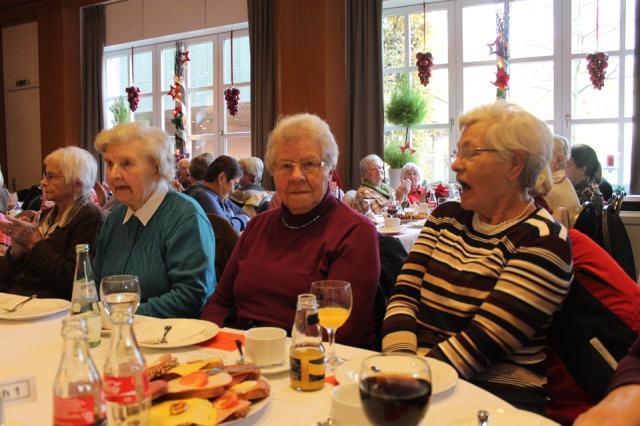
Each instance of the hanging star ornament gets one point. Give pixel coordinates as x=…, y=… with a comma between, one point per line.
x=502, y=79
x=172, y=92
x=185, y=57
x=405, y=147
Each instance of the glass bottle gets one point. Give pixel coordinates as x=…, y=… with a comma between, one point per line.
x=77, y=390
x=126, y=383
x=432, y=203
x=307, y=353
x=84, y=298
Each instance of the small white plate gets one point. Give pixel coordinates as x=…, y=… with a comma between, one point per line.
x=443, y=376
x=467, y=415
x=233, y=356
x=34, y=309
x=155, y=327
x=390, y=231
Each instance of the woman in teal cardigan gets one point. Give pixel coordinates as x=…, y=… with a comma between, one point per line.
x=158, y=234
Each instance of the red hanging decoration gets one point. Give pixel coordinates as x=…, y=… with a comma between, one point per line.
x=597, y=62
x=133, y=92
x=424, y=61
x=232, y=94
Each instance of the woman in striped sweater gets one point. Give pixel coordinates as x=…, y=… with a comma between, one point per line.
x=480, y=285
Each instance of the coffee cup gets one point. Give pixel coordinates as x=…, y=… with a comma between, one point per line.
x=265, y=345
x=346, y=407
x=391, y=222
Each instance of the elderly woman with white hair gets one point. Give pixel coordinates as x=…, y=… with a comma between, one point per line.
x=562, y=193
x=373, y=193
x=483, y=280
x=250, y=193
x=410, y=190
x=42, y=256
x=312, y=236
x=157, y=233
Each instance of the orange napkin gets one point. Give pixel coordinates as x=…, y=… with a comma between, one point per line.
x=223, y=340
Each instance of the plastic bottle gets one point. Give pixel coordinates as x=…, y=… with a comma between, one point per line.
x=307, y=352
x=432, y=203
x=125, y=381
x=84, y=298
x=78, y=399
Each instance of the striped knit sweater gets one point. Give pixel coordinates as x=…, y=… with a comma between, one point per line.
x=481, y=302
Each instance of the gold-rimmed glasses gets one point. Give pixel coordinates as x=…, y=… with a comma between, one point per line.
x=468, y=153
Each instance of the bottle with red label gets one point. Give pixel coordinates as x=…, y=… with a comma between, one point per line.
x=125, y=381
x=77, y=391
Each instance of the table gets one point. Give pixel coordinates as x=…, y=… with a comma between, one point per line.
x=408, y=236
x=34, y=349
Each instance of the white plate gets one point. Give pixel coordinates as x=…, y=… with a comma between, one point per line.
x=443, y=376
x=390, y=231
x=466, y=415
x=34, y=309
x=155, y=327
x=254, y=409
x=233, y=356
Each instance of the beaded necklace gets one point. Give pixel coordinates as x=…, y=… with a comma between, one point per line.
x=490, y=228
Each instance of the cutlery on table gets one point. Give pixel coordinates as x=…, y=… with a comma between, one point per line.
x=247, y=367
x=483, y=418
x=15, y=308
x=241, y=359
x=167, y=329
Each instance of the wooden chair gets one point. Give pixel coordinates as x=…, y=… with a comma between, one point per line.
x=226, y=238
x=616, y=240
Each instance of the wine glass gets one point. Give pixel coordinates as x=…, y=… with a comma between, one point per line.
x=334, y=306
x=120, y=289
x=392, y=209
x=395, y=388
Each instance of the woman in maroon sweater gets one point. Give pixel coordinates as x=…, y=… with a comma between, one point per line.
x=311, y=237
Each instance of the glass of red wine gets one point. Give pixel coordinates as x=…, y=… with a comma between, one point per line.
x=392, y=209
x=395, y=388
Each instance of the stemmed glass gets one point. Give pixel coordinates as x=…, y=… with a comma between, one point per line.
x=334, y=306
x=395, y=388
x=120, y=289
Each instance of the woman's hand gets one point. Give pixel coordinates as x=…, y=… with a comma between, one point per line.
x=24, y=234
x=403, y=190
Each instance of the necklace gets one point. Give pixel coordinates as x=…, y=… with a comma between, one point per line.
x=490, y=228
x=304, y=225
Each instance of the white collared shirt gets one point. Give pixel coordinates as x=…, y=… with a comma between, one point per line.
x=145, y=212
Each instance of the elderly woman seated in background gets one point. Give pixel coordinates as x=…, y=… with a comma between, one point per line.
x=219, y=182
x=585, y=173
x=250, y=193
x=562, y=193
x=157, y=233
x=481, y=283
x=42, y=256
x=410, y=190
x=197, y=167
x=312, y=236
x=373, y=192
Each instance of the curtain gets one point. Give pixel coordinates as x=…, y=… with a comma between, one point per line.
x=93, y=40
x=634, y=185
x=261, y=44
x=365, y=125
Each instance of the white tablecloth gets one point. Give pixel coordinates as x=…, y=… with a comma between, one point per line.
x=408, y=236
x=34, y=349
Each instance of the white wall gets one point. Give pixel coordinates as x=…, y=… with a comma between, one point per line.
x=632, y=223
x=22, y=105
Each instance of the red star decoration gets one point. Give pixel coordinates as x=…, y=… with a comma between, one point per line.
x=405, y=147
x=177, y=111
x=172, y=92
x=185, y=57
x=502, y=79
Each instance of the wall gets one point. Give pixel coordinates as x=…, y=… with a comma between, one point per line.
x=632, y=224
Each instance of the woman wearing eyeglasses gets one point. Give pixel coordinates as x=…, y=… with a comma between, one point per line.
x=312, y=236
x=42, y=256
x=481, y=283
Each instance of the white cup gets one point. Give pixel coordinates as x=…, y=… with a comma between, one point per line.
x=346, y=407
x=265, y=345
x=392, y=222
x=424, y=208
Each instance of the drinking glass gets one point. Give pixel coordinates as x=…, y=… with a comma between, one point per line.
x=120, y=289
x=334, y=306
x=395, y=388
x=392, y=209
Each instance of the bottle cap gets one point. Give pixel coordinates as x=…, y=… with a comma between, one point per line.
x=80, y=248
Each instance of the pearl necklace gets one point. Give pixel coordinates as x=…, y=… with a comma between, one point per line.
x=490, y=228
x=304, y=225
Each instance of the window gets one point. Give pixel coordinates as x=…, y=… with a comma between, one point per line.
x=209, y=126
x=549, y=40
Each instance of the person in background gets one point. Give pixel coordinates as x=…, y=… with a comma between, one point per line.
x=7, y=200
x=197, y=168
x=312, y=236
x=42, y=256
x=184, y=174
x=158, y=234
x=372, y=187
x=410, y=189
x=585, y=173
x=485, y=276
x=250, y=193
x=219, y=182
x=562, y=193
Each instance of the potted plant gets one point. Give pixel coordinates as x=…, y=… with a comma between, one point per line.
x=120, y=111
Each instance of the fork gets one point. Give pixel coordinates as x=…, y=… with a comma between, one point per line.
x=167, y=329
x=15, y=308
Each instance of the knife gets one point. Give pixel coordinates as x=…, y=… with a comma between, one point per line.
x=240, y=368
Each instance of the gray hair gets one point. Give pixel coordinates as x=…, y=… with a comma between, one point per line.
x=199, y=165
x=561, y=148
x=415, y=168
x=253, y=166
x=77, y=165
x=149, y=141
x=294, y=128
x=364, y=163
x=510, y=128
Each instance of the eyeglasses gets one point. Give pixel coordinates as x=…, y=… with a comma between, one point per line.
x=468, y=153
x=50, y=177
x=306, y=167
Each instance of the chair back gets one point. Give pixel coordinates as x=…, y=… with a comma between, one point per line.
x=561, y=214
x=349, y=196
x=226, y=238
x=264, y=204
x=616, y=240
x=586, y=221
x=616, y=201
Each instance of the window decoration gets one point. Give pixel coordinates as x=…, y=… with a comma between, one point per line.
x=500, y=47
x=177, y=91
x=424, y=60
x=597, y=62
x=133, y=92
x=232, y=94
